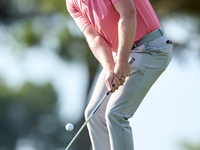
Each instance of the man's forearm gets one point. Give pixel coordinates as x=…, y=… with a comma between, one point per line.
x=126, y=29
x=101, y=50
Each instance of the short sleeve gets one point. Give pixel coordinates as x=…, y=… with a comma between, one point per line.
x=114, y=1
x=76, y=14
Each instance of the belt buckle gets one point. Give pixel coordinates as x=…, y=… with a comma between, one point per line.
x=134, y=46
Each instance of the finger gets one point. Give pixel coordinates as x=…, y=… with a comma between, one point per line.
x=112, y=87
x=116, y=82
x=109, y=85
x=122, y=80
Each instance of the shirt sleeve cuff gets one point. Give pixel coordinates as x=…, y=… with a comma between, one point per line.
x=114, y=1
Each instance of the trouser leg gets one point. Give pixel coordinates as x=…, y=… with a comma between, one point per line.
x=146, y=69
x=97, y=125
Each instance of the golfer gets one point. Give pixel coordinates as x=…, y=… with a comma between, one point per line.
x=115, y=31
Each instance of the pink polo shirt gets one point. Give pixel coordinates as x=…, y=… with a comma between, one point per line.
x=103, y=16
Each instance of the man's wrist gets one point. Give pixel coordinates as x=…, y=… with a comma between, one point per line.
x=123, y=59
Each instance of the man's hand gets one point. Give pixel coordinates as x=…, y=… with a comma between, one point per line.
x=109, y=80
x=116, y=78
x=122, y=70
x=112, y=82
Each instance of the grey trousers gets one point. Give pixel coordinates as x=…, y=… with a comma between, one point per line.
x=109, y=128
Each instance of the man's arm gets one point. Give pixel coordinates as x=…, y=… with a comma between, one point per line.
x=115, y=74
x=101, y=50
x=126, y=34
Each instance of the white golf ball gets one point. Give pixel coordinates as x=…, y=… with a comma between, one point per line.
x=69, y=127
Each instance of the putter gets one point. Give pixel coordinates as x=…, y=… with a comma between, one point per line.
x=131, y=60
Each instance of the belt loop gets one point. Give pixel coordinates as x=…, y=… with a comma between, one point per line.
x=161, y=31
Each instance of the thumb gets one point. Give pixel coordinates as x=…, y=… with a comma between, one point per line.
x=109, y=81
